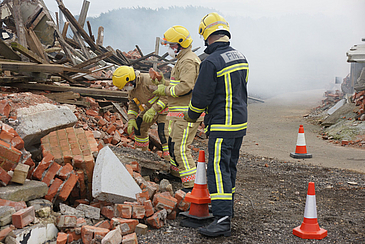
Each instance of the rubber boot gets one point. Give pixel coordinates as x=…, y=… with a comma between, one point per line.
x=220, y=226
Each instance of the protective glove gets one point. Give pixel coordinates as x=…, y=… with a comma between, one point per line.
x=188, y=119
x=159, y=82
x=131, y=123
x=160, y=90
x=149, y=115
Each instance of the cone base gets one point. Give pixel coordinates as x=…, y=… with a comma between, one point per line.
x=300, y=155
x=320, y=234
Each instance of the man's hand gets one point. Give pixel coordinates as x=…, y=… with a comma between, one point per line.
x=131, y=123
x=149, y=115
x=160, y=90
x=159, y=82
x=187, y=118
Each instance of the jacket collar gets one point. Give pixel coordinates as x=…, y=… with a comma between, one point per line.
x=214, y=46
x=183, y=51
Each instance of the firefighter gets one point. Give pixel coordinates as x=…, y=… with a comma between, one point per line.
x=178, y=90
x=221, y=91
x=144, y=108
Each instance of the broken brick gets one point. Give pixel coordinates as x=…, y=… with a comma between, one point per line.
x=23, y=217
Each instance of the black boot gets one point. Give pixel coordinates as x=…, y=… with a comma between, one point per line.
x=220, y=226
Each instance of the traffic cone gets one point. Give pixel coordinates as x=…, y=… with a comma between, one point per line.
x=199, y=197
x=310, y=228
x=301, y=148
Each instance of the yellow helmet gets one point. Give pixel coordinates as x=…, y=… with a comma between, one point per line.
x=211, y=23
x=177, y=35
x=122, y=75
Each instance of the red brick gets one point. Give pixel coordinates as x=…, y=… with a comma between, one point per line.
x=62, y=238
x=181, y=203
x=53, y=189
x=92, y=112
x=51, y=173
x=5, y=232
x=104, y=224
x=108, y=212
x=135, y=166
x=123, y=210
x=42, y=166
x=129, y=168
x=155, y=220
x=126, y=226
x=17, y=205
x=7, y=133
x=138, y=212
x=81, y=180
x=172, y=215
x=166, y=201
x=130, y=239
x=80, y=201
x=88, y=233
x=143, y=196
x=17, y=142
x=149, y=208
x=8, y=152
x=65, y=171
x=78, y=160
x=102, y=122
x=66, y=221
x=73, y=235
x=4, y=177
x=5, y=108
x=23, y=217
x=111, y=129
x=67, y=187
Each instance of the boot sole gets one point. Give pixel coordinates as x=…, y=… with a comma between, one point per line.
x=215, y=234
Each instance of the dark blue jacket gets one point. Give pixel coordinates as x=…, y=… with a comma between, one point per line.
x=221, y=91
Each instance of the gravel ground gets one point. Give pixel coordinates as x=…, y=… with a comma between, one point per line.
x=270, y=202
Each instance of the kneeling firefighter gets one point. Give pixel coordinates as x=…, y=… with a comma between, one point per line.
x=144, y=108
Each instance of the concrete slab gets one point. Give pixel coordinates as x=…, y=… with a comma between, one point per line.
x=111, y=180
x=31, y=190
x=37, y=121
x=39, y=233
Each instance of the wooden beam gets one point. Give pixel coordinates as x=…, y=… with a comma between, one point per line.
x=122, y=56
x=28, y=53
x=83, y=13
x=7, y=52
x=91, y=92
x=96, y=70
x=35, y=45
x=139, y=50
x=90, y=30
x=157, y=48
x=20, y=31
x=74, y=22
x=32, y=67
x=64, y=31
x=94, y=60
x=32, y=17
x=141, y=58
x=100, y=39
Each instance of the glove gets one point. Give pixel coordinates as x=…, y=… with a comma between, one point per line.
x=131, y=123
x=149, y=115
x=188, y=119
x=157, y=82
x=160, y=90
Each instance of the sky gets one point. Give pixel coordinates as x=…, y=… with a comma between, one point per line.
x=283, y=54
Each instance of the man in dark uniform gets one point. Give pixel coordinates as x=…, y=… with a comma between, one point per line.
x=221, y=91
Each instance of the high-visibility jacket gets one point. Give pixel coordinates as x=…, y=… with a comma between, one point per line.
x=221, y=91
x=141, y=98
x=181, y=84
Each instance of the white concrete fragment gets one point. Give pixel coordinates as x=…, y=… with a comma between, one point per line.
x=338, y=105
x=111, y=180
x=39, y=233
x=37, y=121
x=113, y=237
x=89, y=211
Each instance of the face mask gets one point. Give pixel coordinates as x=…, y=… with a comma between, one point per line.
x=128, y=88
x=172, y=52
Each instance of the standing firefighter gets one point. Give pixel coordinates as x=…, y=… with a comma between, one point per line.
x=178, y=89
x=144, y=107
x=221, y=90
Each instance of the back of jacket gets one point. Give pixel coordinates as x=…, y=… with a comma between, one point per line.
x=221, y=91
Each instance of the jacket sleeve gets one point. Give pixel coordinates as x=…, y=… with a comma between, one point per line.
x=204, y=90
x=132, y=109
x=188, y=74
x=161, y=104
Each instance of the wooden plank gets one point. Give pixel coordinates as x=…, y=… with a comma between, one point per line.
x=94, y=60
x=141, y=58
x=83, y=13
x=90, y=30
x=32, y=67
x=32, y=17
x=157, y=48
x=96, y=70
x=122, y=56
x=28, y=53
x=20, y=31
x=64, y=31
x=35, y=45
x=121, y=111
x=139, y=50
x=7, y=52
x=100, y=39
x=12, y=79
x=79, y=40
x=91, y=92
x=36, y=21
x=73, y=21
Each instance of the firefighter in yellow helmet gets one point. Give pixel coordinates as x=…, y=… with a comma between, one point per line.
x=144, y=108
x=221, y=91
x=178, y=90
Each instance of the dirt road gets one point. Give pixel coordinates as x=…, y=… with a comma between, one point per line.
x=273, y=129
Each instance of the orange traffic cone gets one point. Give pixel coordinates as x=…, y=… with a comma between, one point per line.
x=199, y=197
x=310, y=228
x=301, y=148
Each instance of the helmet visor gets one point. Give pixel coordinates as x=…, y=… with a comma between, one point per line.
x=164, y=42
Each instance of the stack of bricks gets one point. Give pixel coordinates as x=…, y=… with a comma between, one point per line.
x=12, y=153
x=121, y=222
x=72, y=148
x=359, y=99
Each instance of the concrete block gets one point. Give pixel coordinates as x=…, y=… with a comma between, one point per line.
x=37, y=121
x=11, y=240
x=113, y=237
x=67, y=210
x=89, y=211
x=66, y=221
x=110, y=172
x=35, y=234
x=141, y=229
x=30, y=190
x=23, y=217
x=20, y=173
x=17, y=205
x=5, y=215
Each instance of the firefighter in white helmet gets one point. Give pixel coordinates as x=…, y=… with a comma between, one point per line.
x=144, y=107
x=221, y=91
x=178, y=90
